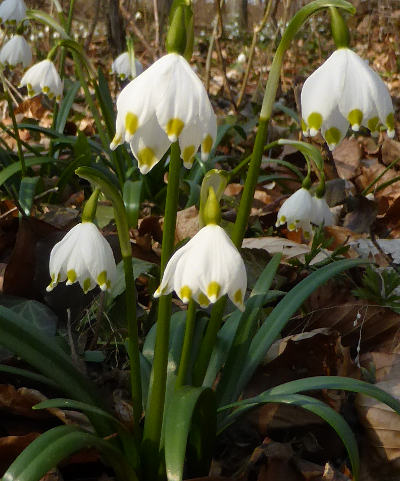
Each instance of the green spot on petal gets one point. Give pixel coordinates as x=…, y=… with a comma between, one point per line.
x=291, y=226
x=303, y=126
x=71, y=276
x=45, y=89
x=207, y=144
x=86, y=285
x=355, y=118
x=314, y=121
x=390, y=121
x=332, y=136
x=213, y=291
x=188, y=153
x=147, y=157
x=202, y=300
x=373, y=123
x=131, y=123
x=174, y=127
x=238, y=297
x=102, y=278
x=185, y=294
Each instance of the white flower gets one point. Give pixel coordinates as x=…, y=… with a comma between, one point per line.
x=297, y=212
x=206, y=268
x=241, y=58
x=343, y=91
x=15, y=51
x=122, y=66
x=321, y=214
x=301, y=210
x=165, y=103
x=12, y=11
x=43, y=77
x=83, y=256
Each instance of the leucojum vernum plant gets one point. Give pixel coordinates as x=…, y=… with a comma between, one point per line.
x=183, y=393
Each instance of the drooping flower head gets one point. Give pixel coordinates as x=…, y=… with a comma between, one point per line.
x=167, y=102
x=12, y=11
x=16, y=51
x=205, y=269
x=123, y=68
x=302, y=210
x=43, y=77
x=83, y=256
x=345, y=91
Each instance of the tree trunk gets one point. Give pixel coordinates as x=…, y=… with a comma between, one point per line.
x=115, y=27
x=237, y=12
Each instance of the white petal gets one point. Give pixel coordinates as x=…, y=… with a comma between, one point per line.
x=16, y=51
x=189, y=142
x=334, y=128
x=149, y=144
x=12, y=11
x=321, y=214
x=296, y=209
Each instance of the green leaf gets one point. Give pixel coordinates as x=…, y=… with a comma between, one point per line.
x=65, y=107
x=12, y=169
x=46, y=451
x=276, y=321
x=46, y=19
x=228, y=389
x=105, y=101
x=307, y=150
x=26, y=194
x=48, y=358
x=86, y=408
x=16, y=371
x=320, y=409
x=190, y=424
x=131, y=194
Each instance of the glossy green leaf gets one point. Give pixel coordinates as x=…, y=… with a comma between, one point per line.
x=46, y=19
x=86, y=408
x=228, y=389
x=190, y=424
x=27, y=189
x=308, y=150
x=276, y=321
x=105, y=101
x=320, y=409
x=16, y=371
x=49, y=359
x=46, y=451
x=65, y=107
x=132, y=192
x=12, y=169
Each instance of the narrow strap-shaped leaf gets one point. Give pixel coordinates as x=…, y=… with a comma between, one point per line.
x=276, y=321
x=46, y=451
x=16, y=371
x=48, y=358
x=320, y=409
x=26, y=193
x=227, y=389
x=190, y=425
x=105, y=100
x=12, y=169
x=65, y=107
x=63, y=403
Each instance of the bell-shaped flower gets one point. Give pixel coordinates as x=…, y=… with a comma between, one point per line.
x=12, y=11
x=206, y=268
x=321, y=214
x=123, y=68
x=167, y=102
x=345, y=91
x=83, y=256
x=15, y=51
x=297, y=211
x=43, y=77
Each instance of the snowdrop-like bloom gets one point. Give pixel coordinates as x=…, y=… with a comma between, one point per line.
x=345, y=91
x=15, y=51
x=297, y=212
x=43, y=77
x=206, y=268
x=321, y=214
x=83, y=256
x=12, y=11
x=165, y=103
x=122, y=66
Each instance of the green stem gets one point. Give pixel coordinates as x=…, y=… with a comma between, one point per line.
x=187, y=345
x=208, y=342
x=121, y=221
x=15, y=126
x=239, y=229
x=155, y=405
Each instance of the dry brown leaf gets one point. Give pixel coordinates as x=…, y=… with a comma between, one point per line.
x=187, y=223
x=347, y=157
x=390, y=151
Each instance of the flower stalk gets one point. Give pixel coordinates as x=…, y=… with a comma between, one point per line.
x=187, y=345
x=155, y=405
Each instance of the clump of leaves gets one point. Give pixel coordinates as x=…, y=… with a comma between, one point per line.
x=319, y=243
x=380, y=286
